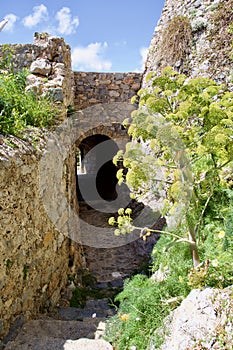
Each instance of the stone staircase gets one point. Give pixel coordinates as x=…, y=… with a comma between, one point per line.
x=61, y=330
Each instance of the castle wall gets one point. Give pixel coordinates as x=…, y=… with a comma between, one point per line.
x=94, y=88
x=207, y=51
x=42, y=242
x=35, y=253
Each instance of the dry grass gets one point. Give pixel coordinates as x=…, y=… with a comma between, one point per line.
x=175, y=42
x=220, y=36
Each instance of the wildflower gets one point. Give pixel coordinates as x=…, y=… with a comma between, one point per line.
x=133, y=347
x=124, y=317
x=215, y=263
x=111, y=221
x=221, y=234
x=128, y=211
x=181, y=279
x=121, y=211
x=117, y=232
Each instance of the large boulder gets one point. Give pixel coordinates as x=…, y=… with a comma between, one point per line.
x=204, y=320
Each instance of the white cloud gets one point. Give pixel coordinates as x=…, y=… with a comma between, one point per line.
x=11, y=18
x=120, y=43
x=91, y=57
x=67, y=23
x=40, y=13
x=143, y=54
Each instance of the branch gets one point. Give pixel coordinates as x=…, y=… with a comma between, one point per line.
x=203, y=211
x=224, y=164
x=164, y=232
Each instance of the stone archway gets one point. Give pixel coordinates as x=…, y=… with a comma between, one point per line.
x=108, y=257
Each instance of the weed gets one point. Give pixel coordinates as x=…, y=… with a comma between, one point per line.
x=20, y=109
x=176, y=41
x=220, y=36
x=25, y=272
x=9, y=263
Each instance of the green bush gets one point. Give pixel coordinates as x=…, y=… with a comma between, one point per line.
x=20, y=109
x=144, y=303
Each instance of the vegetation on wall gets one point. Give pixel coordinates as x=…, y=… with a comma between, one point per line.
x=20, y=109
x=176, y=41
x=181, y=154
x=221, y=36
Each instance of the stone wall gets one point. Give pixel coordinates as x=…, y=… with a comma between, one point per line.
x=41, y=245
x=49, y=62
x=35, y=255
x=94, y=88
x=205, y=53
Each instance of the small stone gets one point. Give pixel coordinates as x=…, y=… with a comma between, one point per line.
x=56, y=94
x=114, y=94
x=198, y=3
x=87, y=344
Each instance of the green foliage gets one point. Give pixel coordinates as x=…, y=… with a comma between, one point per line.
x=181, y=152
x=78, y=298
x=9, y=264
x=144, y=302
x=20, y=109
x=181, y=148
x=7, y=53
x=25, y=272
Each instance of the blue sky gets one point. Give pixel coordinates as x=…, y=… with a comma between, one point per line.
x=104, y=35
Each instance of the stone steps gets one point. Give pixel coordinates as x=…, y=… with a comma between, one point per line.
x=66, y=325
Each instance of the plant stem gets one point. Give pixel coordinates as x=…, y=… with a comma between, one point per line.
x=193, y=246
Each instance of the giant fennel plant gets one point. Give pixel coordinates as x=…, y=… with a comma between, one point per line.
x=180, y=158
x=181, y=153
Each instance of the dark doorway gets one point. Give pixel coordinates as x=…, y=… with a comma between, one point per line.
x=96, y=173
x=106, y=181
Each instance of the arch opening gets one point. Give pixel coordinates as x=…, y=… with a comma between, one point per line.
x=95, y=168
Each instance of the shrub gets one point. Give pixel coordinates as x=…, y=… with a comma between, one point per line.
x=145, y=303
x=20, y=109
x=176, y=41
x=220, y=35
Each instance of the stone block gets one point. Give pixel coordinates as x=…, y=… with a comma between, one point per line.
x=41, y=66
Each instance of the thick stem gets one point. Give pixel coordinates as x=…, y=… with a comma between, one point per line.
x=193, y=247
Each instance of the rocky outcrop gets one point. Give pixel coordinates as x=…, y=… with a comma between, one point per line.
x=193, y=36
x=87, y=344
x=204, y=320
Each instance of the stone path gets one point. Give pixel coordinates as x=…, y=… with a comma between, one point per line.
x=62, y=331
